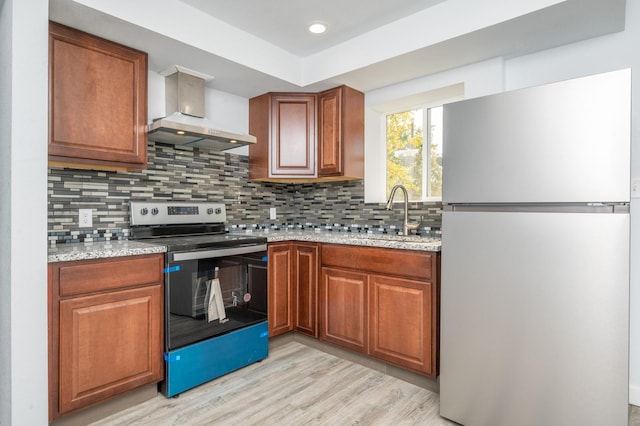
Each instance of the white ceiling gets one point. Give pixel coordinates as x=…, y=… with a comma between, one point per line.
x=284, y=22
x=255, y=46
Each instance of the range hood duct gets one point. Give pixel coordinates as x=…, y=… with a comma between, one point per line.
x=185, y=123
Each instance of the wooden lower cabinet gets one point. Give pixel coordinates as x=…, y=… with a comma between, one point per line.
x=382, y=302
x=106, y=329
x=376, y=301
x=280, y=288
x=402, y=322
x=343, y=301
x=293, y=283
x=305, y=278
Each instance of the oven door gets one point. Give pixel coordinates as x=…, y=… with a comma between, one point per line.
x=211, y=292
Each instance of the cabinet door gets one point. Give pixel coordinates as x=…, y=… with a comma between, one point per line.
x=341, y=133
x=402, y=322
x=293, y=140
x=344, y=307
x=97, y=100
x=330, y=132
x=280, y=314
x=109, y=343
x=306, y=284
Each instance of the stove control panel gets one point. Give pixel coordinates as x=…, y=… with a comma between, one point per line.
x=169, y=213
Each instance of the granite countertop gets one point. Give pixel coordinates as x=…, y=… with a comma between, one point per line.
x=106, y=249
x=100, y=250
x=406, y=242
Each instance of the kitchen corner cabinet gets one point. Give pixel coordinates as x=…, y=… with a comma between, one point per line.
x=293, y=283
x=285, y=127
x=304, y=137
x=383, y=303
x=105, y=329
x=97, y=102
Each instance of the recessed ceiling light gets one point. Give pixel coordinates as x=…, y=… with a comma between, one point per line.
x=317, y=28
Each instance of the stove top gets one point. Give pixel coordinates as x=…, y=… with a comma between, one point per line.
x=195, y=242
x=184, y=226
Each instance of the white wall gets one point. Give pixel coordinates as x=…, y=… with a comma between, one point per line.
x=23, y=212
x=607, y=53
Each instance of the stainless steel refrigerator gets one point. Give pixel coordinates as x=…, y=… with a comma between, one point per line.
x=535, y=255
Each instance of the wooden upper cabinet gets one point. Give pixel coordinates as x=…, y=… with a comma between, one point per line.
x=341, y=133
x=285, y=126
x=330, y=132
x=97, y=101
x=307, y=137
x=293, y=142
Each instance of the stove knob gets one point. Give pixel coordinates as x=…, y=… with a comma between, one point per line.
x=154, y=211
x=209, y=210
x=144, y=211
x=218, y=210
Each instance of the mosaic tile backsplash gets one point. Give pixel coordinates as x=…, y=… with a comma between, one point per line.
x=191, y=174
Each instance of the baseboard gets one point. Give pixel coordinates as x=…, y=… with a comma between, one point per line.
x=634, y=395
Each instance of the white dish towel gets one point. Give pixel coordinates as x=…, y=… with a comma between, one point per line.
x=215, y=305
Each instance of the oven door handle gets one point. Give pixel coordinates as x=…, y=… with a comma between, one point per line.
x=208, y=254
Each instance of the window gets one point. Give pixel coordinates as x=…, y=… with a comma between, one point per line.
x=418, y=107
x=414, y=152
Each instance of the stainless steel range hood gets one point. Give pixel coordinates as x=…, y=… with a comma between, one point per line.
x=185, y=123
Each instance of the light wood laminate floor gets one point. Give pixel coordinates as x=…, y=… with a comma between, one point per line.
x=297, y=385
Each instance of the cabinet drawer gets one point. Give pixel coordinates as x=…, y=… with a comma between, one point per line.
x=381, y=260
x=107, y=274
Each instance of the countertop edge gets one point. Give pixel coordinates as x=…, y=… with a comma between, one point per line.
x=101, y=250
x=385, y=241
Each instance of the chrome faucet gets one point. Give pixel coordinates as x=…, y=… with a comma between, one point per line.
x=406, y=226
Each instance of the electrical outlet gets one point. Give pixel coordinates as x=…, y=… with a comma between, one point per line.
x=85, y=218
x=272, y=213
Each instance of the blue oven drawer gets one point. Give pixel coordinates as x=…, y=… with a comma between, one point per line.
x=201, y=362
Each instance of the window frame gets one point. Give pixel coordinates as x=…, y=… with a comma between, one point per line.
x=381, y=102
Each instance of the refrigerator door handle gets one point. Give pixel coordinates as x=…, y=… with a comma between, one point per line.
x=607, y=208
